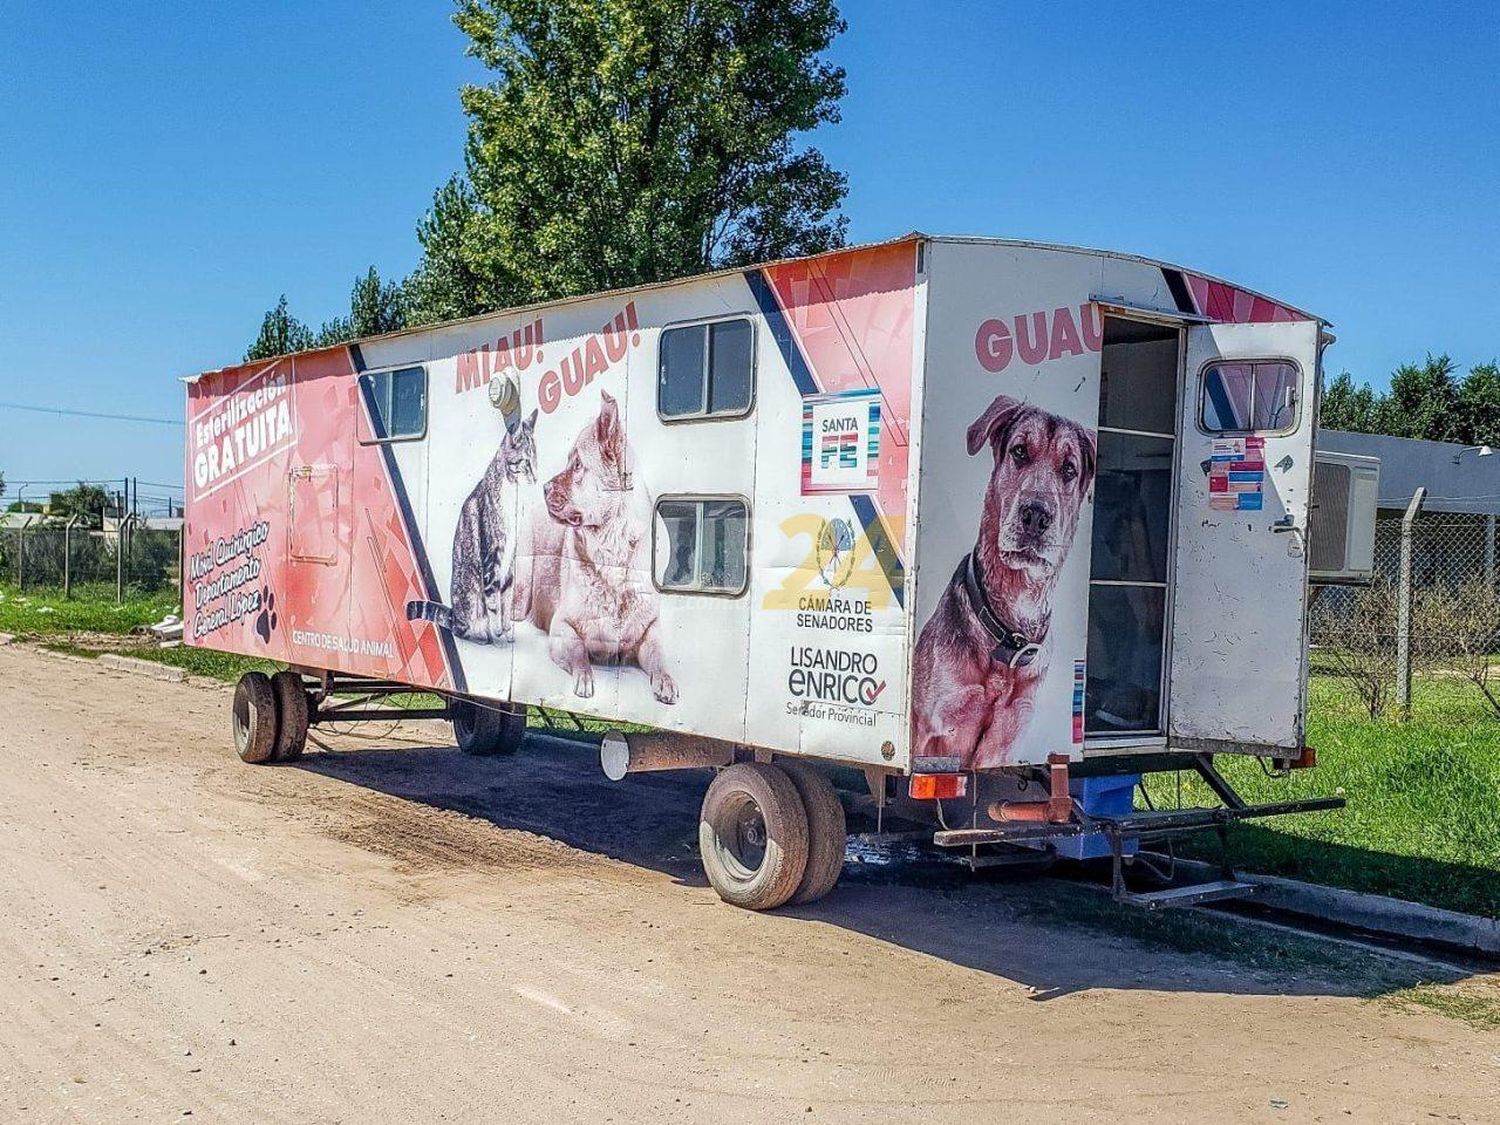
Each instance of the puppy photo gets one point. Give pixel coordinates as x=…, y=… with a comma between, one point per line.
x=587, y=584
x=982, y=655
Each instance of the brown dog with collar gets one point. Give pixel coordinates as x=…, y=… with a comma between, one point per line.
x=984, y=651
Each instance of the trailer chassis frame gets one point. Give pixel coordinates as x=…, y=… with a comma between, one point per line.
x=1145, y=826
x=323, y=707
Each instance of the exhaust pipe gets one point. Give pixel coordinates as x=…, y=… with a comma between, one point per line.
x=622, y=754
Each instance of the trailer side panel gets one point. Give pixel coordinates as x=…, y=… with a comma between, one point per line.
x=601, y=543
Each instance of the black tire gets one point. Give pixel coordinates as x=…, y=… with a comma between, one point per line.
x=485, y=731
x=827, y=834
x=252, y=718
x=752, y=836
x=292, y=712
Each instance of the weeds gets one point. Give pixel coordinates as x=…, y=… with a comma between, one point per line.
x=1473, y=1006
x=89, y=610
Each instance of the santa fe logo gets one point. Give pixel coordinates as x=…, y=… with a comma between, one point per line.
x=841, y=442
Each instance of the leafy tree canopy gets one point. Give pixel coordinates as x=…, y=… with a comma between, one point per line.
x=280, y=334
x=86, y=501
x=375, y=307
x=1426, y=400
x=630, y=141
x=620, y=142
x=444, y=286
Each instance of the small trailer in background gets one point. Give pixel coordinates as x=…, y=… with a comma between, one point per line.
x=1002, y=525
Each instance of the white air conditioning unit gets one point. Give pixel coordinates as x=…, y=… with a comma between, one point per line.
x=1341, y=527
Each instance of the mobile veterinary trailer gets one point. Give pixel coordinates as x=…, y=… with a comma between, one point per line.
x=1002, y=524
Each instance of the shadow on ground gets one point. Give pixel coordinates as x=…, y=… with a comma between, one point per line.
x=1054, y=936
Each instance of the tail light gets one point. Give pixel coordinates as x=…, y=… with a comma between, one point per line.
x=938, y=786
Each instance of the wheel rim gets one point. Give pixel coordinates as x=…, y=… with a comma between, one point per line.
x=741, y=838
x=241, y=713
x=464, y=722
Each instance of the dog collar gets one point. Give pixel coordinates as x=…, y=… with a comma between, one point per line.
x=1012, y=647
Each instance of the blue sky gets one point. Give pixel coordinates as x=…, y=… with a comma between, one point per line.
x=164, y=176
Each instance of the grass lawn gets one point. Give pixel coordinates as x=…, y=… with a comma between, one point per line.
x=91, y=609
x=1423, y=819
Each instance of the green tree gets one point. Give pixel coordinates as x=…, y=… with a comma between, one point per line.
x=1479, y=405
x=444, y=286
x=1345, y=406
x=280, y=334
x=1423, y=401
x=630, y=141
x=375, y=308
x=86, y=501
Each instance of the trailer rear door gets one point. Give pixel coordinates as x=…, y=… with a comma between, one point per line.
x=1239, y=591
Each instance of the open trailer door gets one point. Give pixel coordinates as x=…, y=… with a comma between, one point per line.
x=1239, y=596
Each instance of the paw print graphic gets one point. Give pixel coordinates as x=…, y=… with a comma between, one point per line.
x=266, y=622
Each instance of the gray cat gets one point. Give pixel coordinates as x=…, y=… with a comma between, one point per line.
x=484, y=548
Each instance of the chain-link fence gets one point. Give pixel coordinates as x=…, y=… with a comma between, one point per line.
x=1431, y=615
x=132, y=557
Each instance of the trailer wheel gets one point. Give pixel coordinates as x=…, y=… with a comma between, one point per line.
x=253, y=718
x=752, y=836
x=487, y=731
x=827, y=834
x=291, y=716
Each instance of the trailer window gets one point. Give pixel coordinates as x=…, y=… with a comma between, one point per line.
x=1250, y=395
x=701, y=545
x=706, y=370
x=397, y=401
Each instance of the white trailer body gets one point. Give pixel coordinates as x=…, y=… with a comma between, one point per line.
x=936, y=505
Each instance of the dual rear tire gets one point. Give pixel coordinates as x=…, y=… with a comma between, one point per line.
x=269, y=717
x=771, y=835
x=486, y=731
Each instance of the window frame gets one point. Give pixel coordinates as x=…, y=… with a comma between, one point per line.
x=393, y=370
x=1201, y=418
x=705, y=415
x=700, y=498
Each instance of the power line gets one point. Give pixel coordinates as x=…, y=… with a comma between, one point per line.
x=69, y=481
x=90, y=414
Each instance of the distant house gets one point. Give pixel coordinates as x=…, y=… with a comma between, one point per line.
x=1456, y=530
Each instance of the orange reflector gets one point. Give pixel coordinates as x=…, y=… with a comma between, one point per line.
x=938, y=786
x=1306, y=760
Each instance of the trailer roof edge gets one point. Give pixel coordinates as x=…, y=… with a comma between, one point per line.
x=1124, y=256
x=910, y=236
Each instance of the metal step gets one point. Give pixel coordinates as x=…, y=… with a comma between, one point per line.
x=1190, y=895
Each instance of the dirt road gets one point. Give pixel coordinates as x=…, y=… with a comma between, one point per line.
x=407, y=934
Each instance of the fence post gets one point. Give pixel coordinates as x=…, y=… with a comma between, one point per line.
x=21, y=552
x=1403, y=607
x=120, y=561
x=68, y=556
x=1489, y=550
